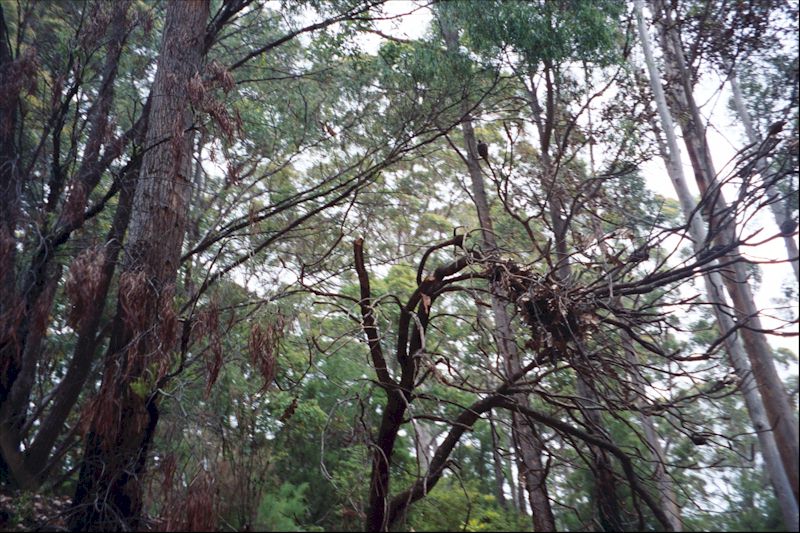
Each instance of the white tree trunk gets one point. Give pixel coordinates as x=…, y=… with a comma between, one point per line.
x=714, y=287
x=744, y=116
x=782, y=418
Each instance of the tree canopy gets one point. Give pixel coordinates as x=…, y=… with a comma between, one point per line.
x=333, y=265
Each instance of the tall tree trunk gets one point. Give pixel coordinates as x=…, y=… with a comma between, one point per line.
x=529, y=445
x=9, y=209
x=124, y=418
x=780, y=214
x=9, y=204
x=497, y=464
x=10, y=304
x=714, y=287
x=604, y=490
x=782, y=419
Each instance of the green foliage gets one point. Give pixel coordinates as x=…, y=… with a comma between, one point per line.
x=454, y=506
x=284, y=509
x=336, y=142
x=551, y=32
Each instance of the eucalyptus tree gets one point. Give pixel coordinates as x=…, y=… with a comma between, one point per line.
x=612, y=262
x=230, y=348
x=109, y=493
x=81, y=173
x=724, y=231
x=753, y=43
x=529, y=445
x=715, y=290
x=537, y=44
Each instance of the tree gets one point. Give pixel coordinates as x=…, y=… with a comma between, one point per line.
x=528, y=442
x=527, y=331
x=723, y=232
x=715, y=289
x=109, y=492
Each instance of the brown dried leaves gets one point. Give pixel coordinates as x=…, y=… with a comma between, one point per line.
x=83, y=284
x=200, y=89
x=152, y=322
x=263, y=347
x=197, y=510
x=207, y=323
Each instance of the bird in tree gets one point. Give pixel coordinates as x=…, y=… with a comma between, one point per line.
x=776, y=128
x=639, y=255
x=788, y=226
x=483, y=150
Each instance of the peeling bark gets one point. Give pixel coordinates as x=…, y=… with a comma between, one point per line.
x=125, y=415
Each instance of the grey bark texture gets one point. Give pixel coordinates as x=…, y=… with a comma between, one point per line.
x=716, y=293
x=744, y=116
x=529, y=446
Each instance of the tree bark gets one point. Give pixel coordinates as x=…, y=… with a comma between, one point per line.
x=779, y=410
x=109, y=491
x=604, y=490
x=744, y=116
x=42, y=277
x=714, y=287
x=497, y=464
x=9, y=214
x=530, y=447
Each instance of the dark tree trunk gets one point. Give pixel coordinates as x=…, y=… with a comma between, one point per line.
x=125, y=414
x=87, y=343
x=42, y=276
x=9, y=213
x=10, y=304
x=377, y=518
